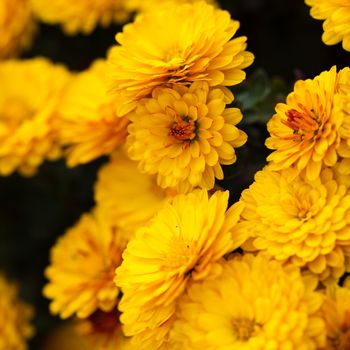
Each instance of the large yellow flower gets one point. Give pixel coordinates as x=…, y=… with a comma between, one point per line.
x=184, y=134
x=15, y=327
x=82, y=268
x=305, y=131
x=336, y=313
x=255, y=304
x=336, y=14
x=16, y=26
x=80, y=15
x=301, y=221
x=184, y=242
x=87, y=123
x=30, y=92
x=127, y=198
x=176, y=44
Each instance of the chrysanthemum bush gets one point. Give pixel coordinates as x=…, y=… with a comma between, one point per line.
x=166, y=257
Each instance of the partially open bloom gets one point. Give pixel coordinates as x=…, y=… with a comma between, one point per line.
x=127, y=198
x=184, y=242
x=15, y=327
x=183, y=135
x=16, y=26
x=176, y=44
x=80, y=15
x=82, y=268
x=336, y=314
x=30, y=92
x=336, y=14
x=305, y=131
x=87, y=123
x=300, y=221
x=255, y=304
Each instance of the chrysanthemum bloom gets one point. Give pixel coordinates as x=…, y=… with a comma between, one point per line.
x=301, y=221
x=255, y=304
x=82, y=268
x=184, y=242
x=305, y=131
x=16, y=26
x=80, y=15
x=15, y=327
x=184, y=134
x=336, y=314
x=30, y=92
x=87, y=123
x=336, y=14
x=176, y=44
x=127, y=198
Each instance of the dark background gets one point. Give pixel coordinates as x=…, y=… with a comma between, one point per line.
x=34, y=211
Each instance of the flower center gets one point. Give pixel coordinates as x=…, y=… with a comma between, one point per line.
x=305, y=125
x=183, y=129
x=243, y=328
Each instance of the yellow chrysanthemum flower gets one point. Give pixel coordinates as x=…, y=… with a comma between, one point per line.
x=82, y=268
x=336, y=14
x=301, y=221
x=184, y=242
x=336, y=314
x=305, y=131
x=176, y=44
x=16, y=26
x=15, y=327
x=87, y=122
x=30, y=92
x=184, y=134
x=81, y=15
x=127, y=198
x=255, y=304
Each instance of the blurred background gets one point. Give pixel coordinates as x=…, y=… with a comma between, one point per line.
x=287, y=46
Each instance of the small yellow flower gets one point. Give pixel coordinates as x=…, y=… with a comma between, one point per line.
x=336, y=14
x=184, y=242
x=127, y=198
x=87, y=122
x=304, y=222
x=255, y=304
x=82, y=268
x=30, y=93
x=15, y=327
x=16, y=26
x=80, y=15
x=336, y=314
x=305, y=131
x=176, y=44
x=184, y=134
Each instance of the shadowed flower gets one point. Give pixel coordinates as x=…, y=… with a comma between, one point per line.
x=176, y=44
x=82, y=268
x=255, y=304
x=80, y=15
x=305, y=132
x=184, y=242
x=15, y=327
x=30, y=92
x=184, y=134
x=336, y=14
x=301, y=221
x=16, y=26
x=87, y=124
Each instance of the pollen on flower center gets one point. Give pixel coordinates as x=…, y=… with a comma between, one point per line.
x=304, y=124
x=183, y=130
x=243, y=328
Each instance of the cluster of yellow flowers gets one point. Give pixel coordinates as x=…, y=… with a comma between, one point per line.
x=162, y=261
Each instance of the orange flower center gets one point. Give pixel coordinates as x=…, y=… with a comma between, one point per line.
x=183, y=130
x=305, y=125
x=244, y=328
